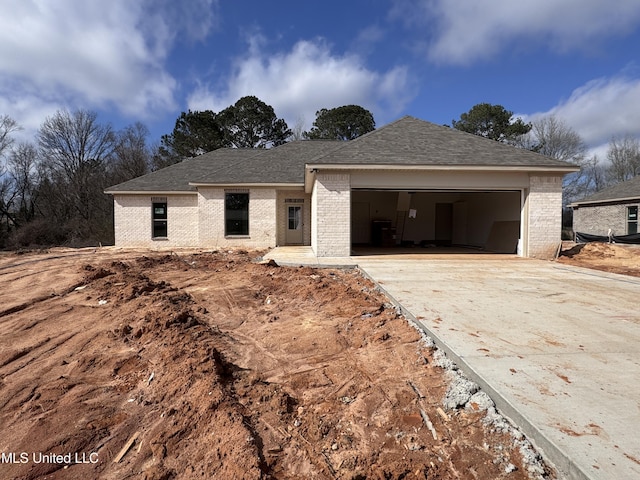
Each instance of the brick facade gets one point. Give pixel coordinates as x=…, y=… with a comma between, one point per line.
x=198, y=220
x=545, y=216
x=331, y=211
x=262, y=218
x=133, y=221
x=598, y=219
x=194, y=220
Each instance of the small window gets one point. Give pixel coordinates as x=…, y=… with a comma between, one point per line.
x=632, y=220
x=159, y=214
x=236, y=214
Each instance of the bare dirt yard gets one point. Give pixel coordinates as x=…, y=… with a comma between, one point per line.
x=123, y=364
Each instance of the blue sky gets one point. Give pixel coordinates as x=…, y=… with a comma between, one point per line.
x=149, y=60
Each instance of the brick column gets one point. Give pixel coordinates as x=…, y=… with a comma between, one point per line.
x=545, y=216
x=331, y=215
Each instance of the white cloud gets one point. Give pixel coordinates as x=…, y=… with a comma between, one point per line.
x=29, y=111
x=462, y=31
x=74, y=53
x=601, y=109
x=307, y=78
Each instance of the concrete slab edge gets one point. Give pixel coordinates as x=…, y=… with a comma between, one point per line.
x=336, y=266
x=549, y=451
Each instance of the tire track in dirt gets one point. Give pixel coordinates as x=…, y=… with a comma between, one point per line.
x=18, y=354
x=23, y=306
x=51, y=344
x=79, y=391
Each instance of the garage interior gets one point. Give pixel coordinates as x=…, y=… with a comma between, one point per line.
x=446, y=220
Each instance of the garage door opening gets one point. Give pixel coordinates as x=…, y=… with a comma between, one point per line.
x=442, y=221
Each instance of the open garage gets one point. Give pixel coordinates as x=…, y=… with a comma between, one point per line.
x=487, y=220
x=416, y=184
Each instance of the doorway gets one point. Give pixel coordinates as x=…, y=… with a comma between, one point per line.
x=294, y=225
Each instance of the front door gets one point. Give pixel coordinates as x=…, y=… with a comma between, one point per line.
x=294, y=225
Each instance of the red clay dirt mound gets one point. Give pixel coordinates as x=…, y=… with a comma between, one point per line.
x=607, y=257
x=115, y=365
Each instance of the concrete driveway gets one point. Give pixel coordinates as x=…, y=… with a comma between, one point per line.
x=556, y=347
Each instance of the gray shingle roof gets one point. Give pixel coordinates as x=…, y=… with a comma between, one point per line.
x=176, y=178
x=410, y=141
x=407, y=142
x=628, y=190
x=283, y=164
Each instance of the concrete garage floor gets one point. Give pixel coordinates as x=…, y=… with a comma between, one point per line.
x=556, y=347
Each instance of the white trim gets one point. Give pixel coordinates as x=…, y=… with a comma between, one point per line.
x=437, y=189
x=151, y=192
x=311, y=170
x=247, y=185
x=490, y=168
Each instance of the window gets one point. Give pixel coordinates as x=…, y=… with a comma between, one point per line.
x=295, y=217
x=159, y=215
x=632, y=220
x=236, y=213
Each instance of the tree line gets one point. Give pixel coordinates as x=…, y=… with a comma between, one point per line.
x=51, y=189
x=251, y=123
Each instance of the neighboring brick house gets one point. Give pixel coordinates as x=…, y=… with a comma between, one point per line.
x=612, y=211
x=410, y=182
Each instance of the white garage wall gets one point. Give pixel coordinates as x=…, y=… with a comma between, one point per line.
x=423, y=226
x=486, y=208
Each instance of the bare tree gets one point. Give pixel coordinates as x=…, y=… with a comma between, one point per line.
x=624, y=158
x=22, y=170
x=550, y=136
x=297, y=132
x=595, y=175
x=7, y=127
x=74, y=153
x=557, y=140
x=132, y=156
x=72, y=141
